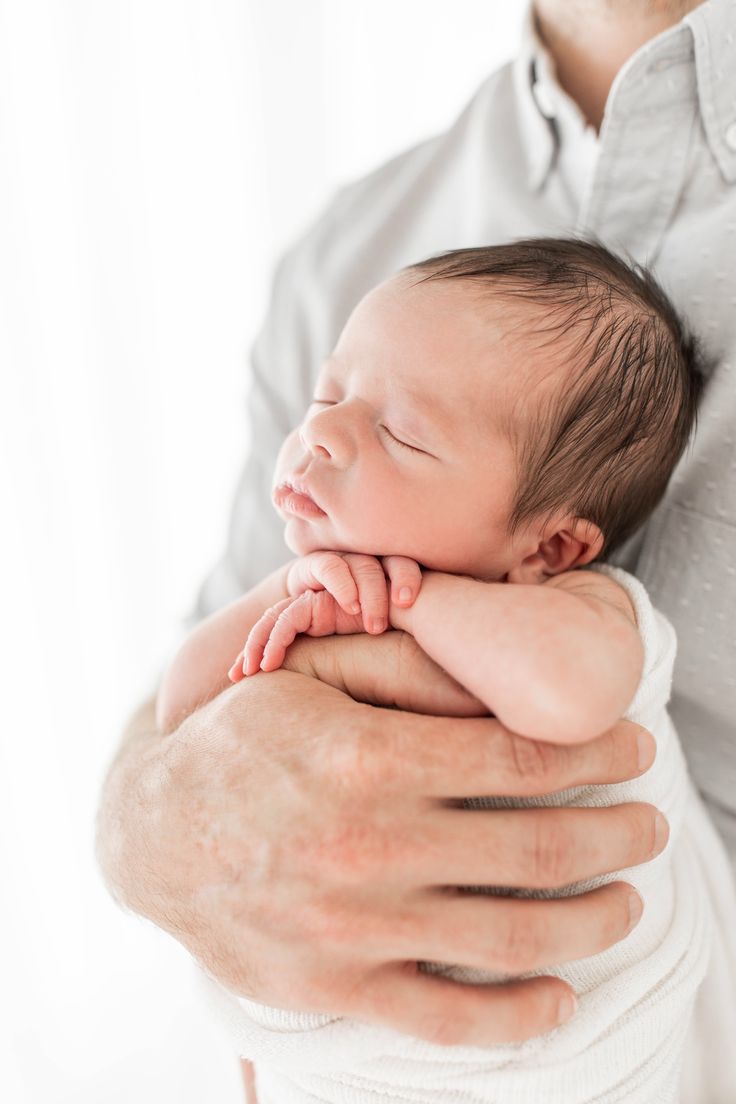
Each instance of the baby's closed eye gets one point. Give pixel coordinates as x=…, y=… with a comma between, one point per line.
x=398, y=441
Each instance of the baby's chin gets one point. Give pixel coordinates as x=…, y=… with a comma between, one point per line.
x=303, y=537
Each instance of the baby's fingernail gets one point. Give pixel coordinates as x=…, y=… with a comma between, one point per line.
x=405, y=594
x=376, y=625
x=355, y=608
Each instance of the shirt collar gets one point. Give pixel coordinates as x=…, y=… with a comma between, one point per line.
x=711, y=27
x=537, y=127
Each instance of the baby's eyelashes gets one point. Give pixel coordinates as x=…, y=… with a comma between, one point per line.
x=397, y=440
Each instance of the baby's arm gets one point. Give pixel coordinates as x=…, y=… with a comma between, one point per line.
x=559, y=661
x=198, y=671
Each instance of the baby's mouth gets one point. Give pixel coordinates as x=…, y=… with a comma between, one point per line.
x=294, y=499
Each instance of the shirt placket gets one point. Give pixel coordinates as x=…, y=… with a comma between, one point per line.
x=643, y=157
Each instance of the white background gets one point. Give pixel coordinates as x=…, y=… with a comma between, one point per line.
x=155, y=158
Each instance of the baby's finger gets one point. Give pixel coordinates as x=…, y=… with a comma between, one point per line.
x=295, y=619
x=259, y=635
x=372, y=589
x=332, y=571
x=406, y=579
x=236, y=673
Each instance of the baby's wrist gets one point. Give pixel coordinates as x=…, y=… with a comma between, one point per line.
x=399, y=617
x=424, y=606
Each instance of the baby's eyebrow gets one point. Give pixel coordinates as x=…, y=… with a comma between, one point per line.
x=434, y=413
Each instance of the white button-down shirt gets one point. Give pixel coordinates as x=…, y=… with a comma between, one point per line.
x=659, y=184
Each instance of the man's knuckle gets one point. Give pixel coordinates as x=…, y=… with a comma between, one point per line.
x=348, y=765
x=622, y=752
x=521, y=1015
x=328, y=922
x=614, y=755
x=518, y=945
x=348, y=853
x=532, y=759
x=552, y=852
x=318, y=990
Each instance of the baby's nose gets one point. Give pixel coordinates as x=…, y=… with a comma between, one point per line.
x=313, y=442
x=327, y=435
x=319, y=450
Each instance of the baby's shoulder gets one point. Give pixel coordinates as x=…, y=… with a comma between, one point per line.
x=596, y=588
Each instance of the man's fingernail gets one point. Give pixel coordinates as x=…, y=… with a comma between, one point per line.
x=644, y=751
x=567, y=1007
x=661, y=833
x=636, y=907
x=405, y=594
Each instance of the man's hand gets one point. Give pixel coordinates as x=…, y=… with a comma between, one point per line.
x=306, y=848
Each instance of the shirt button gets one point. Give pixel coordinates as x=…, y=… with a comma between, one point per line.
x=731, y=137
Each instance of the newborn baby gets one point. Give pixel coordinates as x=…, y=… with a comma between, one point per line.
x=493, y=416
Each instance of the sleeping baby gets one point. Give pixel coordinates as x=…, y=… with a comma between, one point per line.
x=491, y=423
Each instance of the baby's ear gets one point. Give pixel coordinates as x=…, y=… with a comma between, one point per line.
x=570, y=543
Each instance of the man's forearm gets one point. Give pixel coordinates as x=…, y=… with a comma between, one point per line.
x=126, y=794
x=541, y=659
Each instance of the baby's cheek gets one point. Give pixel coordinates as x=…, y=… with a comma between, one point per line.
x=377, y=525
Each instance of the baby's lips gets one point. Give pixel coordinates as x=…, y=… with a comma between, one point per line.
x=295, y=497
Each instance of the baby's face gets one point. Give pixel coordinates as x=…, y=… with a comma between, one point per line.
x=405, y=448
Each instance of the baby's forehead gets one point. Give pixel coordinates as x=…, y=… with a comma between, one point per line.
x=454, y=350
x=498, y=344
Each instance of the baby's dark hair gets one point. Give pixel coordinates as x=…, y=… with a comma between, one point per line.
x=606, y=445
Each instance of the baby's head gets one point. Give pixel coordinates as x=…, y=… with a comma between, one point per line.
x=506, y=412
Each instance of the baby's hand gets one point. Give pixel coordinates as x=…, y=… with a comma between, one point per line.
x=315, y=613
x=358, y=582
x=330, y=592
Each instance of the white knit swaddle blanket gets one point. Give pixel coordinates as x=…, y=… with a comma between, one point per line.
x=635, y=1000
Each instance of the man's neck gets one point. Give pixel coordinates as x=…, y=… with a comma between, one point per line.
x=591, y=39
